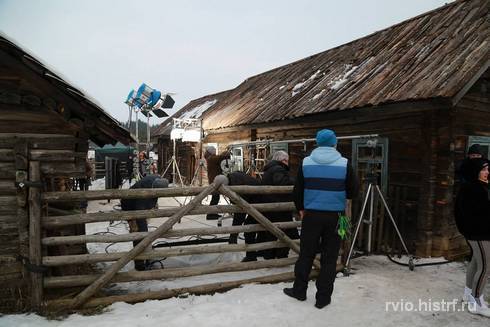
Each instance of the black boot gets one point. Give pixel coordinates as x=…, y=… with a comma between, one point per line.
x=322, y=303
x=213, y=216
x=292, y=293
x=249, y=258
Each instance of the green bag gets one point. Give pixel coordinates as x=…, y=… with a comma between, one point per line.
x=343, y=227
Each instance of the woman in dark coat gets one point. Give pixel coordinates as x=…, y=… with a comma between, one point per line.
x=472, y=212
x=276, y=172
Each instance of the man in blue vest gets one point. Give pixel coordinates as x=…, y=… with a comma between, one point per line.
x=324, y=184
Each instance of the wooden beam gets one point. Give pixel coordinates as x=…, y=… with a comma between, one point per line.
x=159, y=274
x=146, y=193
x=61, y=260
x=35, y=255
x=70, y=219
x=79, y=239
x=169, y=293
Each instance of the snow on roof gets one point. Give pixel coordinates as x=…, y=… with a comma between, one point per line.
x=197, y=112
x=297, y=88
x=339, y=81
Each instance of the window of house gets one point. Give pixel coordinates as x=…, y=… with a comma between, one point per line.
x=274, y=147
x=237, y=157
x=370, y=157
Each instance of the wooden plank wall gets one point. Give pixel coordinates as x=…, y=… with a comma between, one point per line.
x=409, y=144
x=61, y=157
x=405, y=134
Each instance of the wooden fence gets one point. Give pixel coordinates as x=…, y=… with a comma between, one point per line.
x=92, y=283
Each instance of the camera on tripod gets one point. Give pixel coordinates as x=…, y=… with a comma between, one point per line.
x=373, y=191
x=372, y=176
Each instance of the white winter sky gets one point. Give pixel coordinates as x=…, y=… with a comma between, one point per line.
x=189, y=47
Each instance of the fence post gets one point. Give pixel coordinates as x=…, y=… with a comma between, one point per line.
x=35, y=255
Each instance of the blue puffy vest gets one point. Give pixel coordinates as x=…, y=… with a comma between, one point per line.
x=325, y=172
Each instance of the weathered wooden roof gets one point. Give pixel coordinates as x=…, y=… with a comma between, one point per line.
x=434, y=55
x=105, y=129
x=194, y=109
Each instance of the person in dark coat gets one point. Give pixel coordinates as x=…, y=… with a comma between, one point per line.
x=464, y=168
x=240, y=218
x=324, y=184
x=143, y=164
x=276, y=172
x=214, y=169
x=141, y=225
x=472, y=215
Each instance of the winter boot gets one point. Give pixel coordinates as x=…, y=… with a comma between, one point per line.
x=292, y=293
x=483, y=303
x=322, y=303
x=248, y=259
x=477, y=308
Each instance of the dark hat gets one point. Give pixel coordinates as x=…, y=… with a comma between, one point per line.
x=475, y=166
x=475, y=149
x=326, y=137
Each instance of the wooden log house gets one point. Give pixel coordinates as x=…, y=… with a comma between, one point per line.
x=422, y=85
x=45, y=126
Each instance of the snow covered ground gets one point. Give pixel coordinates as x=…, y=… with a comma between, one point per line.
x=359, y=300
x=379, y=293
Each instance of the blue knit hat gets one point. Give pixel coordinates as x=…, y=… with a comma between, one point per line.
x=326, y=137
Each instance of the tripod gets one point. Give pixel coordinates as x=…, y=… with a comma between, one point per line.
x=199, y=169
x=373, y=190
x=175, y=167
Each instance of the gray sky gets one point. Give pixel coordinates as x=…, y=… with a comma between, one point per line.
x=192, y=48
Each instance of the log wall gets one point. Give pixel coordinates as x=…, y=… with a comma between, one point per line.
x=60, y=159
x=420, y=166
x=32, y=128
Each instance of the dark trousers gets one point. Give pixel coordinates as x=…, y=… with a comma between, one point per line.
x=266, y=236
x=214, y=201
x=238, y=220
x=318, y=234
x=142, y=226
x=250, y=237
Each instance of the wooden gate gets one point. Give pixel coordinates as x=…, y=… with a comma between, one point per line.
x=92, y=283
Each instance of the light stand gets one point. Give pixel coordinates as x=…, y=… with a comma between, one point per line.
x=148, y=101
x=137, y=132
x=188, y=130
x=175, y=167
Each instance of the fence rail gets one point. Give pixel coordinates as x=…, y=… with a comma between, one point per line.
x=67, y=220
x=52, y=197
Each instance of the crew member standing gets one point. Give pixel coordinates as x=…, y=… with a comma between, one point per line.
x=324, y=183
x=472, y=213
x=214, y=169
x=141, y=225
x=276, y=172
